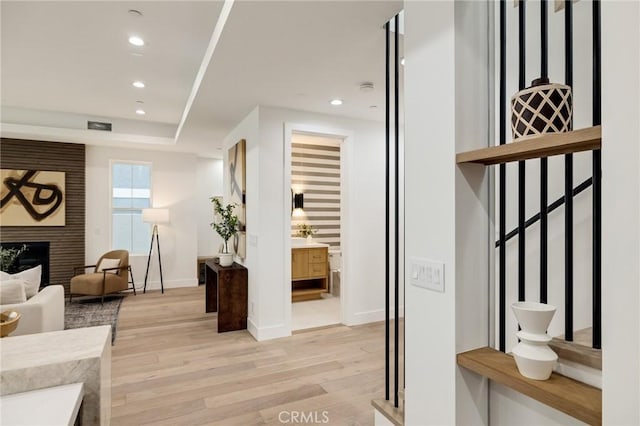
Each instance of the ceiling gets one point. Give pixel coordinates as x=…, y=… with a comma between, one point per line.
x=205, y=64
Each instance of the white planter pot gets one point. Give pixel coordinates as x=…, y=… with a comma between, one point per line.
x=226, y=259
x=533, y=356
x=310, y=239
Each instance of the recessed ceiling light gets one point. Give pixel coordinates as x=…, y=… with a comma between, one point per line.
x=138, y=84
x=140, y=102
x=136, y=41
x=135, y=12
x=336, y=102
x=140, y=112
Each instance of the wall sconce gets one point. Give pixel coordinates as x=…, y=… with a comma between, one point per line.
x=298, y=201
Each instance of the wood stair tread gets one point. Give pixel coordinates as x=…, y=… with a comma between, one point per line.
x=578, y=351
x=386, y=408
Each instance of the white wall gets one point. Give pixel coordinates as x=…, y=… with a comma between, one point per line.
x=248, y=129
x=209, y=183
x=621, y=213
x=173, y=186
x=268, y=216
x=433, y=395
x=430, y=327
x=447, y=208
x=473, y=58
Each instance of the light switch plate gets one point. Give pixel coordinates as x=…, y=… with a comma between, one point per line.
x=426, y=273
x=253, y=240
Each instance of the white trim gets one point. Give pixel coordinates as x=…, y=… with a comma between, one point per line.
x=206, y=60
x=372, y=316
x=186, y=282
x=252, y=328
x=89, y=137
x=347, y=141
x=267, y=333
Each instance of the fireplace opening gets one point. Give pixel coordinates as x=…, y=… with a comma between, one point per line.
x=37, y=253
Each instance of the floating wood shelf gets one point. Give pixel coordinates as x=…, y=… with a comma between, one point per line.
x=535, y=147
x=574, y=398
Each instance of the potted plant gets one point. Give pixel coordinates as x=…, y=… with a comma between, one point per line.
x=8, y=257
x=306, y=231
x=226, y=225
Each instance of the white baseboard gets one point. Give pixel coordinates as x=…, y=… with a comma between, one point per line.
x=252, y=328
x=267, y=333
x=155, y=285
x=371, y=316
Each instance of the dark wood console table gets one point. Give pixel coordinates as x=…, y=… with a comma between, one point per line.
x=227, y=294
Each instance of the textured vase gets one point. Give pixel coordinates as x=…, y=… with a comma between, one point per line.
x=533, y=356
x=542, y=108
x=226, y=259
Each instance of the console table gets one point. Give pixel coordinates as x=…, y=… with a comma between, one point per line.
x=227, y=294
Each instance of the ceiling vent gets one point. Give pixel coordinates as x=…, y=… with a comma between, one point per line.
x=366, y=86
x=97, y=125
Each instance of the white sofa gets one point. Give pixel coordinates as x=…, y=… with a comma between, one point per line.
x=42, y=312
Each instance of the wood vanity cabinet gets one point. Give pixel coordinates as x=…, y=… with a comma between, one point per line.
x=309, y=273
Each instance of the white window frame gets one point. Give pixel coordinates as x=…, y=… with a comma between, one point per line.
x=111, y=208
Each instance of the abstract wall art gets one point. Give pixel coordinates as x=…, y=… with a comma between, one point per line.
x=237, y=182
x=32, y=198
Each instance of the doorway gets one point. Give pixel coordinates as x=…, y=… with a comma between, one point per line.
x=316, y=186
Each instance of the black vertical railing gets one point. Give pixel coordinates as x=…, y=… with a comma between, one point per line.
x=395, y=264
x=502, y=227
x=568, y=184
x=522, y=18
x=387, y=221
x=569, y=191
x=597, y=184
x=544, y=165
x=396, y=267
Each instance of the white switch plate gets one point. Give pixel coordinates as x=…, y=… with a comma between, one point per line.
x=426, y=273
x=253, y=240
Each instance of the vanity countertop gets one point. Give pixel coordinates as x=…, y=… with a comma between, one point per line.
x=308, y=245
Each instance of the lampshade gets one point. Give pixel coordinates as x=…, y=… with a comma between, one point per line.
x=155, y=215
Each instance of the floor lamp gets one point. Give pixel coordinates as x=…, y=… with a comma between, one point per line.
x=154, y=216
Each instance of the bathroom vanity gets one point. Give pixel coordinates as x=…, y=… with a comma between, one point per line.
x=309, y=271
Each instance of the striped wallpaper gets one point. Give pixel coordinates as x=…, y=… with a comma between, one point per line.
x=315, y=172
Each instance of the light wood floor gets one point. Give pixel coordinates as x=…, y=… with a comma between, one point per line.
x=171, y=367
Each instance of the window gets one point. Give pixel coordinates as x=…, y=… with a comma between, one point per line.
x=130, y=193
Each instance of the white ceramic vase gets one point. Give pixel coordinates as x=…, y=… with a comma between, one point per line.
x=226, y=259
x=310, y=239
x=534, y=357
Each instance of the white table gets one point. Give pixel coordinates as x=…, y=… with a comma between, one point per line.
x=56, y=406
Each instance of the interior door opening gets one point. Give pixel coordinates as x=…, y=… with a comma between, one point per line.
x=316, y=238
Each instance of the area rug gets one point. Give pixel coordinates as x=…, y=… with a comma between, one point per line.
x=89, y=312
